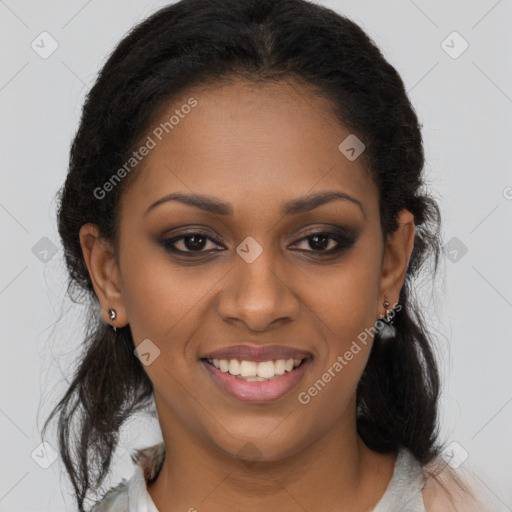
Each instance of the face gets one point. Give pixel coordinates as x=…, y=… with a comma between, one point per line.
x=255, y=270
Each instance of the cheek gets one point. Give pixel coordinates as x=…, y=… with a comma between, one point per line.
x=160, y=298
x=347, y=299
x=163, y=304
x=167, y=304
x=346, y=305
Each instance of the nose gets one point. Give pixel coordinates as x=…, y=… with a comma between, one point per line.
x=259, y=294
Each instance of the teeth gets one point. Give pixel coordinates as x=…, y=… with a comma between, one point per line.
x=266, y=369
x=249, y=369
x=279, y=367
x=254, y=371
x=234, y=367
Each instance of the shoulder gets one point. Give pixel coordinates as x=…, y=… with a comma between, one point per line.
x=115, y=500
x=148, y=463
x=151, y=460
x=449, y=490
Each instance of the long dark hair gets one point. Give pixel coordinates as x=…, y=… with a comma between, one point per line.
x=199, y=42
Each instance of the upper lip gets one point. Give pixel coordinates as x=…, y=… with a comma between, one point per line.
x=257, y=353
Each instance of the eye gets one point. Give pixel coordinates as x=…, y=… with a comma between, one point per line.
x=319, y=242
x=326, y=243
x=193, y=242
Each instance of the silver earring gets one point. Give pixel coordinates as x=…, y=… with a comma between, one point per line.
x=113, y=315
x=387, y=330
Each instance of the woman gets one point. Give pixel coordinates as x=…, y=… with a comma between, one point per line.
x=245, y=204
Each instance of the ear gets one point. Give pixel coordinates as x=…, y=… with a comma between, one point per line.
x=397, y=253
x=101, y=263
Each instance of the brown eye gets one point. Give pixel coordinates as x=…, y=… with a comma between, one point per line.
x=320, y=241
x=326, y=242
x=190, y=243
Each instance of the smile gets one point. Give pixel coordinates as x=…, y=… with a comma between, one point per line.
x=253, y=381
x=252, y=371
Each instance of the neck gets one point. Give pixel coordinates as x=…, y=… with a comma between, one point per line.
x=335, y=472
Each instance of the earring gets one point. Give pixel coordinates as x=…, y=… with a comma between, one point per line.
x=387, y=330
x=113, y=315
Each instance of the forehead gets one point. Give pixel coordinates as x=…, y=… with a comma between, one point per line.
x=268, y=142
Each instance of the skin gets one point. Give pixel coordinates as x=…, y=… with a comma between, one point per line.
x=254, y=147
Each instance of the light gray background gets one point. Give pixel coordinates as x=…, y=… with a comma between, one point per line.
x=465, y=105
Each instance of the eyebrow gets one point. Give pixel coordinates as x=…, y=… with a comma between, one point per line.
x=293, y=207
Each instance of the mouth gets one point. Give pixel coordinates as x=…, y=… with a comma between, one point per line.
x=253, y=376
x=253, y=371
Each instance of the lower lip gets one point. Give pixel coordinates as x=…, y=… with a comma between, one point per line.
x=257, y=391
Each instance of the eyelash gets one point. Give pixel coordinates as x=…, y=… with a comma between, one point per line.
x=344, y=242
